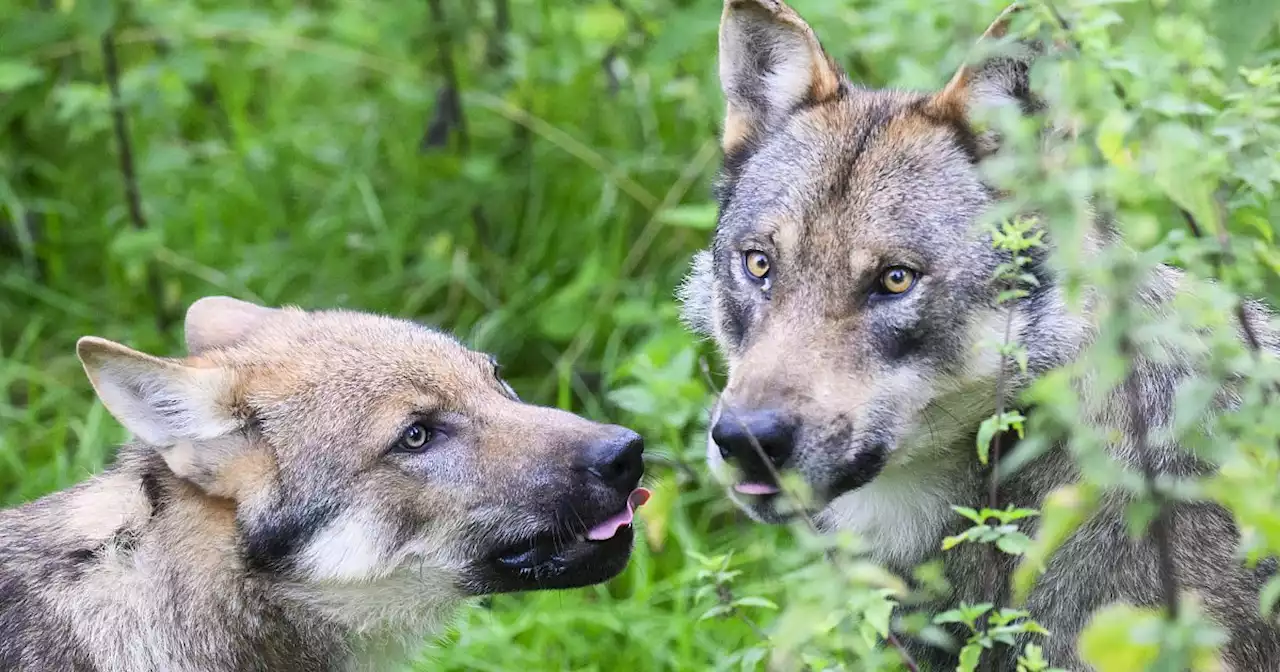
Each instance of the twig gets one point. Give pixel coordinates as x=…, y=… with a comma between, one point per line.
x=993, y=484
x=448, y=114
x=497, y=52
x=128, y=174
x=1224, y=258
x=1162, y=522
x=1224, y=237
x=805, y=513
x=993, y=477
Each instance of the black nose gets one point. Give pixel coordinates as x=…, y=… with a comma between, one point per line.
x=738, y=433
x=616, y=460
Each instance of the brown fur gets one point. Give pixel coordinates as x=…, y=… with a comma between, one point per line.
x=269, y=515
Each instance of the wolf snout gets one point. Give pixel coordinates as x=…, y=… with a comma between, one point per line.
x=742, y=436
x=616, y=460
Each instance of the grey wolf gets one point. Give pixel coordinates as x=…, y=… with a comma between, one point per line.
x=305, y=491
x=848, y=288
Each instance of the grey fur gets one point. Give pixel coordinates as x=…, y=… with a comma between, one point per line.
x=835, y=184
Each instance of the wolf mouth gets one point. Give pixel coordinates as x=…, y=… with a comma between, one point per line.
x=565, y=558
x=766, y=501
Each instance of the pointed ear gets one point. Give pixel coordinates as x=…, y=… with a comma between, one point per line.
x=770, y=63
x=999, y=74
x=162, y=402
x=221, y=321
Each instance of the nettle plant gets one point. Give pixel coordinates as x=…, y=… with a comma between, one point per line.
x=1163, y=119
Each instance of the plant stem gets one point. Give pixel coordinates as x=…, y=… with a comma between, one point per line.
x=128, y=174
x=1160, y=528
x=805, y=513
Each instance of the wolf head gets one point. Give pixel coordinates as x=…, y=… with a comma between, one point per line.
x=848, y=285
x=353, y=447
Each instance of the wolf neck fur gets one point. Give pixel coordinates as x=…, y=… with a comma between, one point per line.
x=164, y=559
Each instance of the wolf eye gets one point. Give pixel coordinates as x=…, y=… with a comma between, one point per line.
x=756, y=263
x=415, y=437
x=897, y=280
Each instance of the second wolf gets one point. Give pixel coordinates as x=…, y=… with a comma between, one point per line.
x=305, y=491
x=849, y=290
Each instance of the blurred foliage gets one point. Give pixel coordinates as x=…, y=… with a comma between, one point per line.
x=534, y=175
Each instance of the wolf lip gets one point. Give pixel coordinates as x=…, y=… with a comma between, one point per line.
x=562, y=558
x=755, y=488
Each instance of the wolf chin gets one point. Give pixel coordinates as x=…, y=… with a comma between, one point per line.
x=850, y=292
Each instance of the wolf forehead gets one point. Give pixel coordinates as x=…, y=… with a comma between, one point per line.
x=880, y=165
x=352, y=357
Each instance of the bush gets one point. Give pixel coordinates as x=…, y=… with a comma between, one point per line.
x=534, y=176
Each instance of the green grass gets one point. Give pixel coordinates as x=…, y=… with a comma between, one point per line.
x=280, y=158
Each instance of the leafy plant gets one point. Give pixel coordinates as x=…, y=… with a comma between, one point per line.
x=534, y=175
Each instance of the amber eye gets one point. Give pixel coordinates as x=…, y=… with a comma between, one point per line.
x=757, y=263
x=897, y=280
x=415, y=437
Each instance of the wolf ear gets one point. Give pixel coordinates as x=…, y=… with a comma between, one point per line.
x=221, y=321
x=770, y=62
x=999, y=76
x=166, y=404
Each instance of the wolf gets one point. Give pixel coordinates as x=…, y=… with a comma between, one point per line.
x=306, y=490
x=849, y=289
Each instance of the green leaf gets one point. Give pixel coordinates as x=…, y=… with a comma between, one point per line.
x=1269, y=596
x=1014, y=543
x=1138, y=516
x=717, y=611
x=969, y=513
x=134, y=246
x=986, y=432
x=636, y=399
x=15, y=75
x=1240, y=25
x=949, y=616
x=969, y=657
x=95, y=17
x=657, y=512
x=754, y=602
x=1062, y=513
x=1112, y=642
x=601, y=22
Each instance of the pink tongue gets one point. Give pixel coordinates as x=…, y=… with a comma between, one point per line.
x=610, y=527
x=756, y=489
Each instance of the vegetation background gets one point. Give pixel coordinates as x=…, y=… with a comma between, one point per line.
x=534, y=176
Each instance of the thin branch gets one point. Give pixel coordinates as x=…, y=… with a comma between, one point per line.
x=993, y=484
x=993, y=477
x=128, y=174
x=1161, y=524
x=799, y=503
x=449, y=114
x=497, y=51
x=1224, y=237
x=1160, y=528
